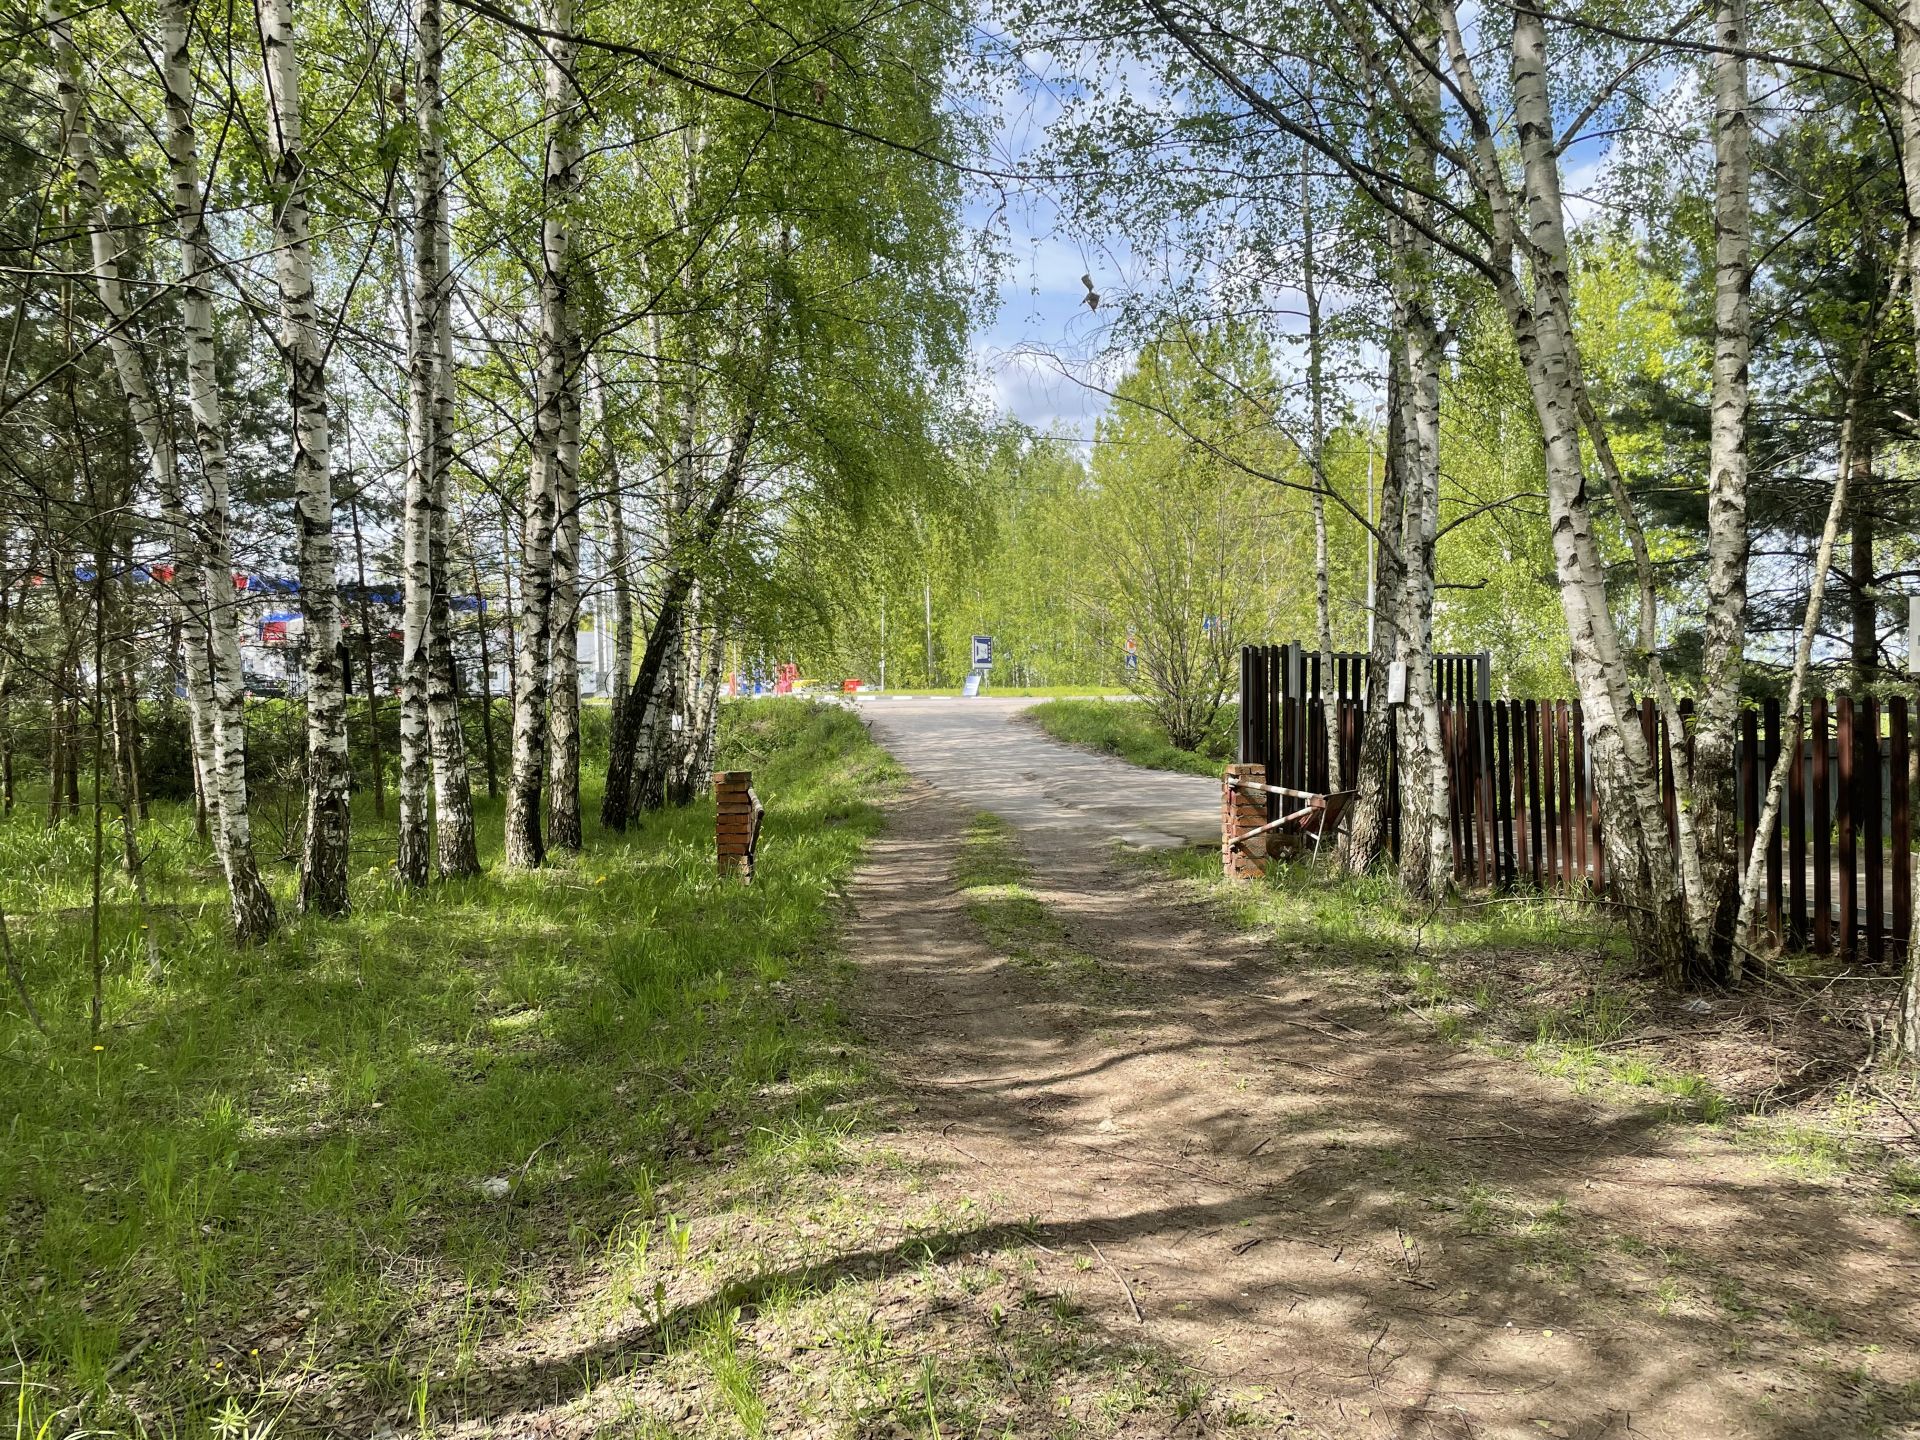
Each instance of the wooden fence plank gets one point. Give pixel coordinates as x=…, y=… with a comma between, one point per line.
x=1899, y=752
x=1749, y=747
x=1273, y=699
x=1532, y=763
x=1252, y=737
x=1582, y=801
x=1873, y=854
x=1449, y=764
x=1503, y=794
x=1822, y=823
x=1565, y=790
x=1483, y=787
x=1844, y=809
x=1796, y=835
x=1549, y=801
x=1770, y=716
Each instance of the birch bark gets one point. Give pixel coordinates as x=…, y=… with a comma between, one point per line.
x=1640, y=860
x=423, y=396
x=458, y=842
x=1710, y=775
x=1426, y=845
x=433, y=745
x=324, y=860
x=563, y=704
x=211, y=648
x=1316, y=459
x=619, y=561
x=1367, y=831
x=525, y=844
x=1907, y=36
x=645, y=701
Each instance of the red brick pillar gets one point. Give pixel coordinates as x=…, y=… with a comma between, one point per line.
x=1241, y=812
x=736, y=823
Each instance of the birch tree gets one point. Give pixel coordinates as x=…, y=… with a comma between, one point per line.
x=212, y=654
x=303, y=347
x=555, y=434
x=432, y=742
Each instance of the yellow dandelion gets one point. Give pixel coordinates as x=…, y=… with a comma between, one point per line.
x=98, y=1048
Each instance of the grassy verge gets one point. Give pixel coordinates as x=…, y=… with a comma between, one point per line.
x=1008, y=692
x=1555, y=984
x=314, y=1182
x=1130, y=731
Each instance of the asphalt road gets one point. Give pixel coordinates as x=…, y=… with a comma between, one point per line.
x=980, y=753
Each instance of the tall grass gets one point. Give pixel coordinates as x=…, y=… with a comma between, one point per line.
x=1130, y=731
x=334, y=1163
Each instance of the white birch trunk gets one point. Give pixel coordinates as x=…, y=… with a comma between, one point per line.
x=619, y=561
x=324, y=861
x=1710, y=776
x=1367, y=830
x=1316, y=459
x=525, y=844
x=563, y=702
x=1426, y=845
x=423, y=412
x=1640, y=859
x=1908, y=43
x=215, y=710
x=459, y=846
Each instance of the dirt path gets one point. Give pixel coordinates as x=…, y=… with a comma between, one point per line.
x=1305, y=1196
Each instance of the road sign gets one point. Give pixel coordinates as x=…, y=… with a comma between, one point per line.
x=970, y=687
x=982, y=652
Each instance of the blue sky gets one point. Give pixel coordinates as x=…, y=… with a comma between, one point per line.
x=1041, y=334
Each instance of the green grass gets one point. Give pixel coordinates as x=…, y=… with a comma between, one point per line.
x=1129, y=730
x=263, y=1208
x=991, y=872
x=1014, y=692
x=1464, y=969
x=268, y=1183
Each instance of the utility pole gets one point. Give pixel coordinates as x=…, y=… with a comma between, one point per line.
x=883, y=640
x=926, y=591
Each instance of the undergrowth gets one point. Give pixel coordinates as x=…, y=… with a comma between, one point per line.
x=1555, y=984
x=314, y=1178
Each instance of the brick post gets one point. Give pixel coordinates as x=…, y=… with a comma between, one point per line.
x=1240, y=813
x=736, y=823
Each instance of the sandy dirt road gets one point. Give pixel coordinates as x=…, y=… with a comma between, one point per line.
x=1289, y=1184
x=982, y=756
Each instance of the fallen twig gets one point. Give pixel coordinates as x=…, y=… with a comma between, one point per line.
x=1124, y=1286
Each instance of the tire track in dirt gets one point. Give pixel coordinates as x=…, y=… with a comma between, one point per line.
x=1304, y=1192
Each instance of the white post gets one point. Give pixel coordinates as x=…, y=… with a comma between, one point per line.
x=1913, y=634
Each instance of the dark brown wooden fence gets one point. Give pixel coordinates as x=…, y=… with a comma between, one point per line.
x=1839, y=858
